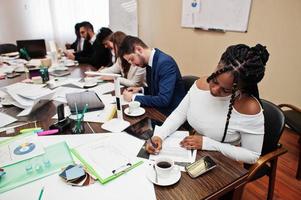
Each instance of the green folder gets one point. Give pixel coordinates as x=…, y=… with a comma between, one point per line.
x=56, y=157
x=101, y=179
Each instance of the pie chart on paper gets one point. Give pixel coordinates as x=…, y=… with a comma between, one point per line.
x=24, y=148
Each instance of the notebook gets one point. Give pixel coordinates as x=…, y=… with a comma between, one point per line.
x=35, y=48
x=80, y=99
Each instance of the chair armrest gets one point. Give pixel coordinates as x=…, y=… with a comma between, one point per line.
x=290, y=106
x=264, y=159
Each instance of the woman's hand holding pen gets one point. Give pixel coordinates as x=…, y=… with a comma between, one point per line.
x=154, y=145
x=192, y=142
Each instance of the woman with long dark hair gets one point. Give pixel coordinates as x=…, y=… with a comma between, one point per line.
x=131, y=75
x=223, y=108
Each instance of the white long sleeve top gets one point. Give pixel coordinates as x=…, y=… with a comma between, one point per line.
x=207, y=115
x=136, y=75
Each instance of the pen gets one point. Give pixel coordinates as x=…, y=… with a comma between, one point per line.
x=192, y=133
x=41, y=193
x=77, y=117
x=84, y=110
x=153, y=144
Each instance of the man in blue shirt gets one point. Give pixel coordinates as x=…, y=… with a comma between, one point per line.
x=165, y=87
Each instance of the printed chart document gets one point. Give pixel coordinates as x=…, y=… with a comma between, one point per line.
x=171, y=148
x=109, y=157
x=20, y=148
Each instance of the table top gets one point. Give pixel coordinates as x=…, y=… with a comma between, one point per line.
x=225, y=177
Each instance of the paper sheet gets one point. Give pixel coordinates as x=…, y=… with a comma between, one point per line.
x=133, y=185
x=60, y=93
x=6, y=119
x=171, y=148
x=21, y=149
x=99, y=116
x=104, y=88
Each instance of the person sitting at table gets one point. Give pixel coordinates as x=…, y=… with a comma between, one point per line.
x=223, y=108
x=165, y=87
x=97, y=55
x=131, y=75
x=80, y=44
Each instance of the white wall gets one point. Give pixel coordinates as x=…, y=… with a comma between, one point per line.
x=274, y=23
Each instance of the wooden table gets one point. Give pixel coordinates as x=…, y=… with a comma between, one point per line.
x=227, y=176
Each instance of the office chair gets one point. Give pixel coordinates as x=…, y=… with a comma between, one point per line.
x=271, y=149
x=8, y=48
x=293, y=120
x=189, y=81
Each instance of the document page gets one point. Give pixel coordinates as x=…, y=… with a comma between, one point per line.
x=171, y=148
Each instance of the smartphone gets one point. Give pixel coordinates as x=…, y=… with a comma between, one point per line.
x=12, y=75
x=200, y=166
x=143, y=129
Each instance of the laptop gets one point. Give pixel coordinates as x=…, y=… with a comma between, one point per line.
x=35, y=48
x=80, y=99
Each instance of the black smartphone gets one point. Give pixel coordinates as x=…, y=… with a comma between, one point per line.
x=12, y=75
x=200, y=166
x=143, y=129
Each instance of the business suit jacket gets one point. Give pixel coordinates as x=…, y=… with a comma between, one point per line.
x=96, y=55
x=166, y=86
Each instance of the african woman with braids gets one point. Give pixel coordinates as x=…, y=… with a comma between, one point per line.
x=223, y=108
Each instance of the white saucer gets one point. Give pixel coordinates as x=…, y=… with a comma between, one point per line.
x=140, y=111
x=89, y=85
x=174, y=176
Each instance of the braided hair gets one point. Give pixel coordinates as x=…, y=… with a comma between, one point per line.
x=247, y=64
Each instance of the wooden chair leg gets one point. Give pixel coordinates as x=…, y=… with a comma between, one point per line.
x=298, y=174
x=272, y=178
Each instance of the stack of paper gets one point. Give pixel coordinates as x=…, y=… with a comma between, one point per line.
x=28, y=96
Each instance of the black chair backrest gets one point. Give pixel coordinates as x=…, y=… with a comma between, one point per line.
x=189, y=81
x=8, y=48
x=274, y=122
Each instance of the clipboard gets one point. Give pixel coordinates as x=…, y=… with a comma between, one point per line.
x=105, y=168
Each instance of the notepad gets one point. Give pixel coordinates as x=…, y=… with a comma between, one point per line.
x=106, y=158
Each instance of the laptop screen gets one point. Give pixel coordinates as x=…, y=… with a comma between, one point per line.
x=35, y=48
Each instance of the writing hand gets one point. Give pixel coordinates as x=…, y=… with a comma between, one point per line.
x=154, y=145
x=127, y=95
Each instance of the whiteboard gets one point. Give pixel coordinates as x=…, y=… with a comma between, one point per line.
x=227, y=15
x=123, y=16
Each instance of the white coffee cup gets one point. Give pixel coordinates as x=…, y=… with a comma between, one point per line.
x=164, y=167
x=134, y=106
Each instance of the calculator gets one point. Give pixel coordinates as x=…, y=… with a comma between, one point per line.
x=200, y=166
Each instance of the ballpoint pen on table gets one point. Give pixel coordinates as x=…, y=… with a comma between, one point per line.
x=77, y=118
x=41, y=193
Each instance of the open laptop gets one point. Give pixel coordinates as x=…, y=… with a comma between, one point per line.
x=35, y=48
